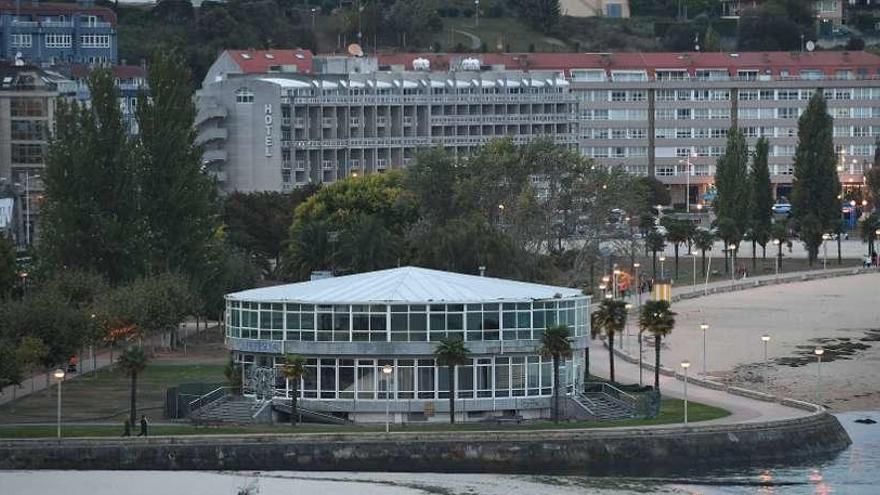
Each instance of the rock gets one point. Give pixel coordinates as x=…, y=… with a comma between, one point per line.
x=866, y=421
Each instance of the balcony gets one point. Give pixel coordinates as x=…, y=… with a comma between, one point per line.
x=211, y=156
x=210, y=112
x=381, y=121
x=58, y=24
x=328, y=121
x=408, y=121
x=212, y=134
x=327, y=164
x=354, y=122
x=299, y=122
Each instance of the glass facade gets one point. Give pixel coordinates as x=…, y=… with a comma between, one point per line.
x=403, y=322
x=420, y=378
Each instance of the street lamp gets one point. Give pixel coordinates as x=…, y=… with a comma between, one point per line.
x=819, y=351
x=627, y=307
x=477, y=11
x=766, y=339
x=777, y=243
x=687, y=173
x=59, y=375
x=685, y=365
x=694, y=286
x=639, y=285
x=825, y=237
x=616, y=281
x=705, y=328
x=386, y=370
x=663, y=268
x=732, y=248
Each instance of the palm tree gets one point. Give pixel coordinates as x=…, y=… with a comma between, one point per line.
x=678, y=232
x=655, y=242
x=555, y=344
x=610, y=319
x=451, y=352
x=294, y=368
x=133, y=361
x=657, y=318
x=704, y=240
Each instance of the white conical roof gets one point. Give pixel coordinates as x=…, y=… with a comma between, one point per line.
x=405, y=285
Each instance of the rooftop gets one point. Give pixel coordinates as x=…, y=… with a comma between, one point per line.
x=774, y=62
x=262, y=61
x=406, y=285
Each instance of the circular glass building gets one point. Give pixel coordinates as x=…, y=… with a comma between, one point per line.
x=351, y=328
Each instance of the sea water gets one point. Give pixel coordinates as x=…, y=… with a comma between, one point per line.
x=854, y=471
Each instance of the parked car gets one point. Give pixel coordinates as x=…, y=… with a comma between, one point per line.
x=782, y=208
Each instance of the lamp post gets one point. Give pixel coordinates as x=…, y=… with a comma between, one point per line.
x=777, y=242
x=627, y=307
x=477, y=12
x=59, y=375
x=640, y=358
x=705, y=328
x=386, y=370
x=27, y=206
x=694, y=286
x=819, y=351
x=615, y=277
x=877, y=233
x=766, y=339
x=825, y=237
x=687, y=173
x=732, y=248
x=663, y=268
x=639, y=284
x=685, y=365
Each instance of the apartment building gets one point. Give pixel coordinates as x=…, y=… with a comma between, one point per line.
x=47, y=34
x=593, y=8
x=668, y=114
x=275, y=129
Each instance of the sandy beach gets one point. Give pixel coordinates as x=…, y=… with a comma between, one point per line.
x=842, y=315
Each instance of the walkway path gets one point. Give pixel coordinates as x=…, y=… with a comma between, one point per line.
x=87, y=364
x=476, y=42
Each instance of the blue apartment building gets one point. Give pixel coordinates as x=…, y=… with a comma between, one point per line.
x=48, y=34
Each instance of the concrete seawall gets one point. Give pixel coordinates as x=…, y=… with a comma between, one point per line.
x=638, y=450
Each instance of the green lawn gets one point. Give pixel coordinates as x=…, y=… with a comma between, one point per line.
x=671, y=411
x=105, y=395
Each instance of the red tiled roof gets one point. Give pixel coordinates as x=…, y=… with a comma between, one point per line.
x=775, y=62
x=26, y=7
x=260, y=61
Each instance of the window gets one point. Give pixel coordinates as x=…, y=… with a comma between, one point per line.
x=95, y=40
x=748, y=95
x=671, y=75
x=712, y=74
x=787, y=113
x=20, y=41
x=28, y=130
x=27, y=153
x=629, y=75
x=244, y=95
x=55, y=40
x=27, y=107
x=587, y=75
x=90, y=20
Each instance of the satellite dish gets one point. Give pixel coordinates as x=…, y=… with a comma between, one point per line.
x=355, y=50
x=811, y=45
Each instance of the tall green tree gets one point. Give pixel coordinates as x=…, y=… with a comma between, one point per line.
x=731, y=181
x=556, y=345
x=293, y=369
x=542, y=14
x=8, y=268
x=451, y=352
x=176, y=197
x=657, y=319
x=90, y=216
x=609, y=319
x=814, y=204
x=133, y=362
x=761, y=203
x=872, y=178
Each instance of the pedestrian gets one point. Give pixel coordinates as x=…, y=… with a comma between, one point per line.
x=143, y=432
x=126, y=428
x=874, y=258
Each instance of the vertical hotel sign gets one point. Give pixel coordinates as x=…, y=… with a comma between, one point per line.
x=268, y=120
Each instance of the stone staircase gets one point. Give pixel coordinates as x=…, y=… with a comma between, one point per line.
x=603, y=407
x=234, y=410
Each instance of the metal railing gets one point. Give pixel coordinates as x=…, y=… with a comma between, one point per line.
x=210, y=397
x=627, y=400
